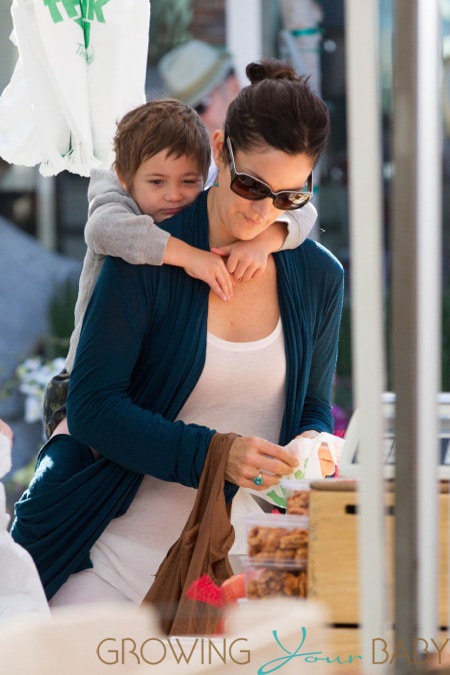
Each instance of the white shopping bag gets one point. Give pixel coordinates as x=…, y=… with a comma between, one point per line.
x=318, y=457
x=82, y=65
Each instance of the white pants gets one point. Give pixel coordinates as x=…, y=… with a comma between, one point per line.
x=86, y=587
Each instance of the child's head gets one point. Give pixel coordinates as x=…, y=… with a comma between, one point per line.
x=162, y=156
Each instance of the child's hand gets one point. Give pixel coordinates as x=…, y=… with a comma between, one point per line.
x=245, y=259
x=248, y=259
x=210, y=268
x=200, y=264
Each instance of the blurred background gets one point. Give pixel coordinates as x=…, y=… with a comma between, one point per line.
x=42, y=219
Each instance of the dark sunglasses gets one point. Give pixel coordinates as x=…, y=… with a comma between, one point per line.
x=248, y=187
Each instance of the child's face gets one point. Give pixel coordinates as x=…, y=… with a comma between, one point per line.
x=165, y=184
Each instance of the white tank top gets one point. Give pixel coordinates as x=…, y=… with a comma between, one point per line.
x=241, y=389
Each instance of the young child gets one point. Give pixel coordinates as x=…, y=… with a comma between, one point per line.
x=162, y=157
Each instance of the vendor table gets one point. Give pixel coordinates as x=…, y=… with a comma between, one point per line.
x=333, y=572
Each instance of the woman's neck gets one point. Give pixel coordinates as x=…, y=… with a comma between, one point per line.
x=218, y=234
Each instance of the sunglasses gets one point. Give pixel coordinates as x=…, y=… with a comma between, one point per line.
x=248, y=187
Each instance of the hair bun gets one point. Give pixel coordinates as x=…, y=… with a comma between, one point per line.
x=270, y=69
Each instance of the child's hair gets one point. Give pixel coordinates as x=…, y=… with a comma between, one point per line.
x=161, y=124
x=279, y=109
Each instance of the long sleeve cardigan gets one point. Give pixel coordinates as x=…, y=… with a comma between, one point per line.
x=117, y=227
x=142, y=349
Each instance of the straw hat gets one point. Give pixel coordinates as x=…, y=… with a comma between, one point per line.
x=193, y=70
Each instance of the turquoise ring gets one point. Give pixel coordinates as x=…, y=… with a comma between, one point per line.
x=258, y=480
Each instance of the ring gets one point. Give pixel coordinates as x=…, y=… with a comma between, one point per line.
x=258, y=480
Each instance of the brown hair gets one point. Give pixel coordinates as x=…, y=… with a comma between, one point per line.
x=161, y=124
x=279, y=109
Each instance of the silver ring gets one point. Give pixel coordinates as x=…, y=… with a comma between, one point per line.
x=258, y=480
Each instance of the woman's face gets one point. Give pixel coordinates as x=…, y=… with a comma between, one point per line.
x=234, y=218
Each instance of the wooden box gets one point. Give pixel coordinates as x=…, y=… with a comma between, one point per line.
x=333, y=576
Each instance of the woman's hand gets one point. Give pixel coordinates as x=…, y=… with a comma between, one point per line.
x=250, y=455
x=310, y=433
x=327, y=465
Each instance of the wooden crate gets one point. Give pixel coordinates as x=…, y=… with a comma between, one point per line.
x=333, y=576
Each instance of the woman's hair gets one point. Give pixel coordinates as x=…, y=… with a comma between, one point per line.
x=279, y=109
x=161, y=124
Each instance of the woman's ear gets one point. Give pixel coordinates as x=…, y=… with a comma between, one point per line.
x=217, y=142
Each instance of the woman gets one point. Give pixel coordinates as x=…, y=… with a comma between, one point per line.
x=163, y=366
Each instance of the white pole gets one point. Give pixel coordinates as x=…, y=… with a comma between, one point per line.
x=244, y=34
x=364, y=132
x=429, y=146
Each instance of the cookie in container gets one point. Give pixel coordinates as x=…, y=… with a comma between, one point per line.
x=277, y=537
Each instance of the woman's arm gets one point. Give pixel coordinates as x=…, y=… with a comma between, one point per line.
x=110, y=374
x=329, y=290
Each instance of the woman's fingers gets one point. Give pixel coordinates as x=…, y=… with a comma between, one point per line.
x=249, y=456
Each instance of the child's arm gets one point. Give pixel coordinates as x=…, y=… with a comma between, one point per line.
x=299, y=222
x=247, y=259
x=116, y=227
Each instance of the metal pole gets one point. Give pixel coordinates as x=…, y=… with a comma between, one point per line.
x=364, y=130
x=404, y=320
x=429, y=200
x=46, y=211
x=415, y=293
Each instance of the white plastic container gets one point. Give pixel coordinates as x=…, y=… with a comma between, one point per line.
x=297, y=496
x=275, y=579
x=277, y=537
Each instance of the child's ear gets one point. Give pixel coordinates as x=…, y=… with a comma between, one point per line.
x=121, y=181
x=217, y=142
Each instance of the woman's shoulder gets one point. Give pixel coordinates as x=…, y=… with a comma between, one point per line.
x=190, y=224
x=315, y=256
x=119, y=272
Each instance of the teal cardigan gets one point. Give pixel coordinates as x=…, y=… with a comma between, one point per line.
x=141, y=352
